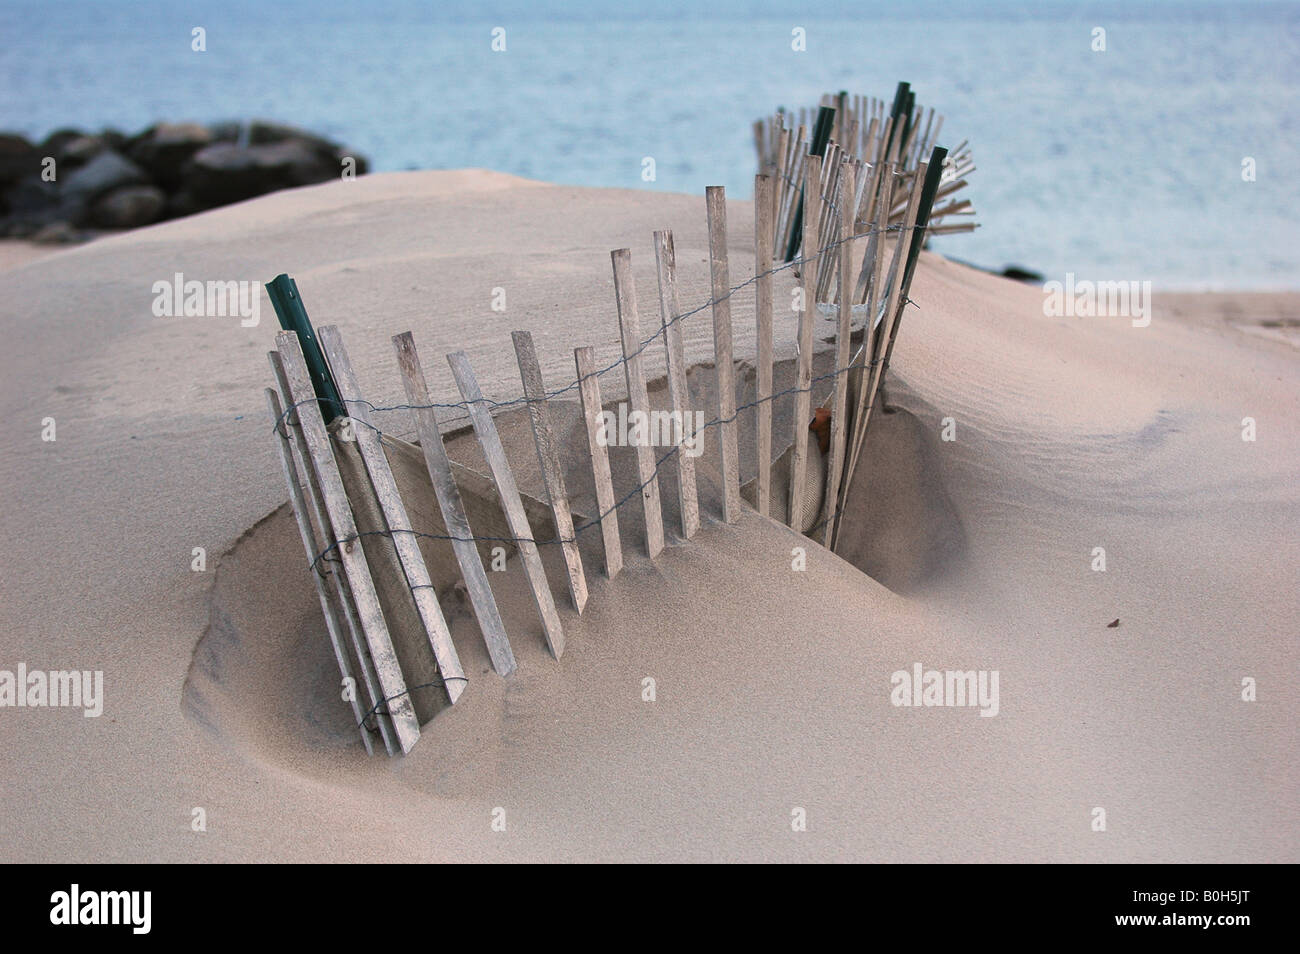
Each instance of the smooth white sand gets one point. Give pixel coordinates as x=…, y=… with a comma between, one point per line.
x=773, y=686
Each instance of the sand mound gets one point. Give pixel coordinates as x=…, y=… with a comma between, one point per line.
x=900, y=525
x=772, y=684
x=263, y=677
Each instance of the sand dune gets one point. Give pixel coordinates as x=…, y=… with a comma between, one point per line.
x=772, y=685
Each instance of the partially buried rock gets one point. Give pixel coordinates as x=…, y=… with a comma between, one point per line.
x=111, y=180
x=56, y=233
x=224, y=172
x=107, y=171
x=32, y=203
x=1020, y=274
x=55, y=143
x=18, y=158
x=163, y=150
x=79, y=151
x=129, y=207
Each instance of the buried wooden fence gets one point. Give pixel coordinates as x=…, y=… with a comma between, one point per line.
x=871, y=255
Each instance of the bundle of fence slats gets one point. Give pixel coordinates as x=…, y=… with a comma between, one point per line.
x=886, y=144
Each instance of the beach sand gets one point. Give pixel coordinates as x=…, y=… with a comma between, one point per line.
x=772, y=685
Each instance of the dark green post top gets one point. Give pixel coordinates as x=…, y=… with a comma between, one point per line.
x=933, y=175
x=283, y=292
x=900, y=107
x=821, y=137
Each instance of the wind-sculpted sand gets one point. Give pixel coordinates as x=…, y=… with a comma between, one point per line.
x=773, y=686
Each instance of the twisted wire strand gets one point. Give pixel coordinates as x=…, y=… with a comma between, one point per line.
x=617, y=363
x=325, y=555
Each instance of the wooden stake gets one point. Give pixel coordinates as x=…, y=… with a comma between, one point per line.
x=309, y=544
x=678, y=389
x=548, y=458
x=876, y=244
x=778, y=180
x=303, y=461
x=452, y=507
x=763, y=313
x=807, y=317
x=793, y=188
x=589, y=387
x=637, y=396
x=399, y=524
x=839, y=409
x=889, y=322
x=490, y=441
x=724, y=367
x=387, y=668
x=826, y=224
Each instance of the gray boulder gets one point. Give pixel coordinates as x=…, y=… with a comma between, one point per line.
x=224, y=172
x=163, y=150
x=54, y=143
x=33, y=203
x=18, y=158
x=75, y=153
x=56, y=233
x=107, y=171
x=128, y=207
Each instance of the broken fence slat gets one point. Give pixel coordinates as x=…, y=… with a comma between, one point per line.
x=452, y=507
x=490, y=441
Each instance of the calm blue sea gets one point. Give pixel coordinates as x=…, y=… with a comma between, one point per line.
x=1118, y=164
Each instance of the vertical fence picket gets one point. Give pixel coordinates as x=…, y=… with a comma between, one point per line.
x=638, y=397
x=584, y=360
x=679, y=392
x=453, y=508
x=548, y=458
x=485, y=430
x=351, y=554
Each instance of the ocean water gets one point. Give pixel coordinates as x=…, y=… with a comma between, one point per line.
x=1122, y=164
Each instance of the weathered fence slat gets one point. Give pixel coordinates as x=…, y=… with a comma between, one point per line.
x=829, y=216
x=870, y=289
x=889, y=321
x=763, y=318
x=309, y=544
x=584, y=360
x=637, y=395
x=724, y=366
x=793, y=189
x=548, y=458
x=839, y=409
x=351, y=554
x=678, y=389
x=778, y=178
x=452, y=507
x=303, y=460
x=399, y=524
x=807, y=316
x=486, y=431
